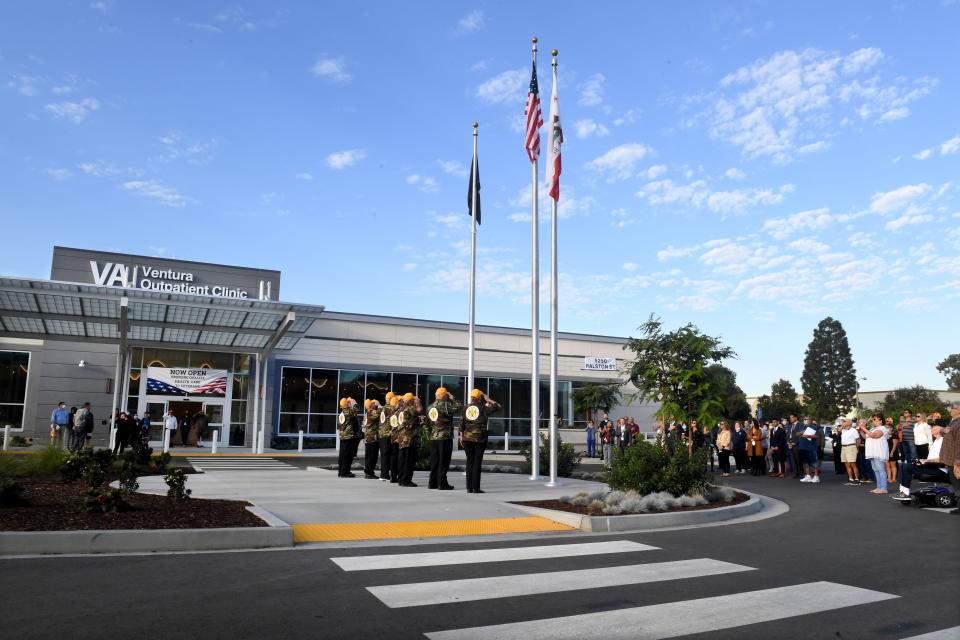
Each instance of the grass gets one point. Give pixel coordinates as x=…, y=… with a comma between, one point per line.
x=45, y=462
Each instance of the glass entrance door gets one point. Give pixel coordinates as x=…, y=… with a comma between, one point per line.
x=214, y=411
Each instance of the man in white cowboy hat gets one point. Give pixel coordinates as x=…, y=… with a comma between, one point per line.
x=473, y=435
x=348, y=423
x=440, y=416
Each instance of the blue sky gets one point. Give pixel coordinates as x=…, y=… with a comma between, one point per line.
x=751, y=167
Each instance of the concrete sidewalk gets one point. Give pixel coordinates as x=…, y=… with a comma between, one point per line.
x=318, y=497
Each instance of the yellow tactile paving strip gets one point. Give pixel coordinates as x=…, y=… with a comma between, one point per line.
x=421, y=529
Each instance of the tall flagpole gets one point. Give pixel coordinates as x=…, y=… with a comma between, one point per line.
x=473, y=260
x=553, y=304
x=535, y=313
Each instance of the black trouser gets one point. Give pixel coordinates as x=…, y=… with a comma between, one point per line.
x=724, y=457
x=922, y=451
x=371, y=451
x=394, y=462
x=839, y=467
x=712, y=449
x=407, y=462
x=385, y=458
x=348, y=451
x=930, y=472
x=740, y=457
x=795, y=460
x=474, y=451
x=121, y=440
x=759, y=467
x=184, y=435
x=440, y=451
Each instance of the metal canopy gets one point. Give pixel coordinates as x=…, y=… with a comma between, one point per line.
x=50, y=310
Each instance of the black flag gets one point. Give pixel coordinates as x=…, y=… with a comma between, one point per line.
x=476, y=163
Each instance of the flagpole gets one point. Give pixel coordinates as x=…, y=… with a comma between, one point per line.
x=473, y=261
x=553, y=315
x=535, y=313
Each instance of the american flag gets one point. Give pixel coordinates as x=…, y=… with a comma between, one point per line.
x=158, y=386
x=215, y=386
x=531, y=140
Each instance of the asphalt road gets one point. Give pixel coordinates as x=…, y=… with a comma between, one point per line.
x=833, y=533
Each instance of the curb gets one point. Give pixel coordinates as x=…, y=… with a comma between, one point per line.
x=279, y=535
x=650, y=521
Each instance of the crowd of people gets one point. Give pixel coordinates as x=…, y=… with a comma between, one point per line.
x=885, y=452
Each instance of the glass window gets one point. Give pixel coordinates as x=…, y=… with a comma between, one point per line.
x=14, y=366
x=165, y=358
x=136, y=357
x=238, y=433
x=480, y=383
x=293, y=423
x=241, y=386
x=352, y=385
x=323, y=391
x=11, y=414
x=500, y=391
x=135, y=382
x=241, y=363
x=520, y=399
x=323, y=424
x=211, y=360
x=496, y=426
x=293, y=390
x=520, y=428
x=428, y=388
x=378, y=383
x=405, y=383
x=457, y=386
x=238, y=411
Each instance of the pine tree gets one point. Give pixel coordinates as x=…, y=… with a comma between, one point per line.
x=829, y=378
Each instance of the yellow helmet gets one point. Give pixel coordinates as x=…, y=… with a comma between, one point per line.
x=441, y=392
x=394, y=401
x=390, y=394
x=367, y=403
x=476, y=393
x=372, y=403
x=408, y=397
x=344, y=403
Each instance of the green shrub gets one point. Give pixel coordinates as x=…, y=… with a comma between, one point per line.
x=73, y=466
x=176, y=479
x=11, y=493
x=161, y=461
x=45, y=463
x=103, y=500
x=647, y=468
x=20, y=441
x=128, y=477
x=568, y=458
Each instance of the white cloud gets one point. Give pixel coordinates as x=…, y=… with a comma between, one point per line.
x=504, y=87
x=809, y=245
x=591, y=91
x=469, y=23
x=303, y=175
x=453, y=167
x=630, y=266
x=587, y=127
x=627, y=117
x=100, y=169
x=812, y=220
x=861, y=239
x=792, y=102
x=346, y=158
x=654, y=172
x=58, y=174
x=907, y=219
x=619, y=162
x=948, y=147
x=195, y=152
x=202, y=26
x=24, y=85
x=410, y=266
x=890, y=201
x=156, y=190
x=738, y=200
x=923, y=155
x=672, y=252
x=697, y=194
x=735, y=174
x=75, y=112
x=427, y=184
x=334, y=69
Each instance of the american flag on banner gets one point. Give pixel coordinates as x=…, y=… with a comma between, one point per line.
x=555, y=140
x=531, y=141
x=217, y=386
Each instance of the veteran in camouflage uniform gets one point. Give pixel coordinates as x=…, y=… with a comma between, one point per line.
x=397, y=404
x=383, y=437
x=371, y=441
x=439, y=419
x=407, y=436
x=348, y=424
x=473, y=434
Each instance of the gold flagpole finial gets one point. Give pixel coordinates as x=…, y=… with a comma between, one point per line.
x=475, y=124
x=554, y=53
x=535, y=40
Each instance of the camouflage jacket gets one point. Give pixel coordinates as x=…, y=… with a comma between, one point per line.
x=473, y=421
x=348, y=422
x=385, y=413
x=408, y=423
x=440, y=416
x=371, y=425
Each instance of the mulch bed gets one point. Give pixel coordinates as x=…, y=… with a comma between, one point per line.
x=55, y=506
x=557, y=505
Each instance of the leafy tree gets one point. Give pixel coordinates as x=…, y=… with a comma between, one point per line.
x=735, y=406
x=950, y=367
x=670, y=368
x=592, y=397
x=916, y=399
x=781, y=402
x=829, y=379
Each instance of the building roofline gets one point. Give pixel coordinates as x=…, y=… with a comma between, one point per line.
x=135, y=255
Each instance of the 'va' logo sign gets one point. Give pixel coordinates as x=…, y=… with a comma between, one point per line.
x=112, y=275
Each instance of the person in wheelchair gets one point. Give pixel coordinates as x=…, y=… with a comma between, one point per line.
x=928, y=470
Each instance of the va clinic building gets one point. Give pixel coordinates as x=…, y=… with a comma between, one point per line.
x=153, y=334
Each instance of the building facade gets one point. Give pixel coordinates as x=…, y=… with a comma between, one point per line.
x=212, y=338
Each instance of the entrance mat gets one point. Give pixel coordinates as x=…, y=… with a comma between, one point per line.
x=421, y=529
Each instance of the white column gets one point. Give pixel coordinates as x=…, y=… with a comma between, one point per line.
x=263, y=413
x=166, y=440
x=256, y=402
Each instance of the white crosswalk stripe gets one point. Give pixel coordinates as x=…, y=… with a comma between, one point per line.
x=448, y=591
x=408, y=560
x=238, y=463
x=672, y=619
x=953, y=633
x=651, y=622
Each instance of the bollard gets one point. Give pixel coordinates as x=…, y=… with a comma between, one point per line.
x=112, y=442
x=216, y=439
x=166, y=440
x=506, y=440
x=300, y=442
x=337, y=443
x=6, y=437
